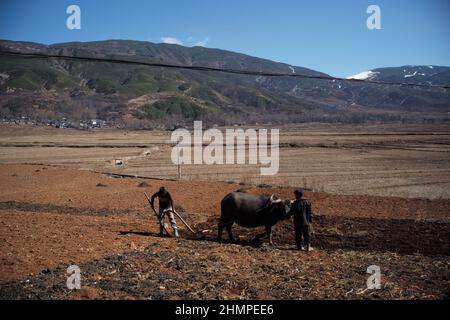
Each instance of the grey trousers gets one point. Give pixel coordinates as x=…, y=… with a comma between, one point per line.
x=169, y=212
x=303, y=231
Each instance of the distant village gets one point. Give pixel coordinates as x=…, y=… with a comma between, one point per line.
x=63, y=123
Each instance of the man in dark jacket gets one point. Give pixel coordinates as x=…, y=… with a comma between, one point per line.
x=165, y=207
x=301, y=210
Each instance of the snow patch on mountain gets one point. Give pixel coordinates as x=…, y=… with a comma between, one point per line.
x=292, y=69
x=410, y=75
x=414, y=74
x=366, y=75
x=3, y=77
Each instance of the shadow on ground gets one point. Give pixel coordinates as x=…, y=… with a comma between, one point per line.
x=362, y=234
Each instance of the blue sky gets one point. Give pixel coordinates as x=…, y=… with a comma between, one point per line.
x=325, y=35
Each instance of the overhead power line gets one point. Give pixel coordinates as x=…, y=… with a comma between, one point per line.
x=211, y=69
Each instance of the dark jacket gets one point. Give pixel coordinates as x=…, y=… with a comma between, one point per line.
x=165, y=200
x=302, y=212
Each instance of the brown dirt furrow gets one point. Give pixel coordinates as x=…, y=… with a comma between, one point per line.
x=208, y=270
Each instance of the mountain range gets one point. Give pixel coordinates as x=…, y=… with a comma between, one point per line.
x=138, y=96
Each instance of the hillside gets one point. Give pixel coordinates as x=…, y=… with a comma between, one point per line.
x=141, y=96
x=425, y=75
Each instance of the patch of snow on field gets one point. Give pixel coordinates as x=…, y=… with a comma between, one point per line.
x=366, y=75
x=292, y=69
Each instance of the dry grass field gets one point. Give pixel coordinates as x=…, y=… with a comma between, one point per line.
x=389, y=160
x=380, y=196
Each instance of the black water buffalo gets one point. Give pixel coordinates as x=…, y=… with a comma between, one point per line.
x=250, y=211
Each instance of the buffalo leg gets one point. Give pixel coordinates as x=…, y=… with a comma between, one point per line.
x=269, y=234
x=230, y=235
x=220, y=228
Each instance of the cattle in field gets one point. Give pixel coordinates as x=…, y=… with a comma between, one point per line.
x=251, y=211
